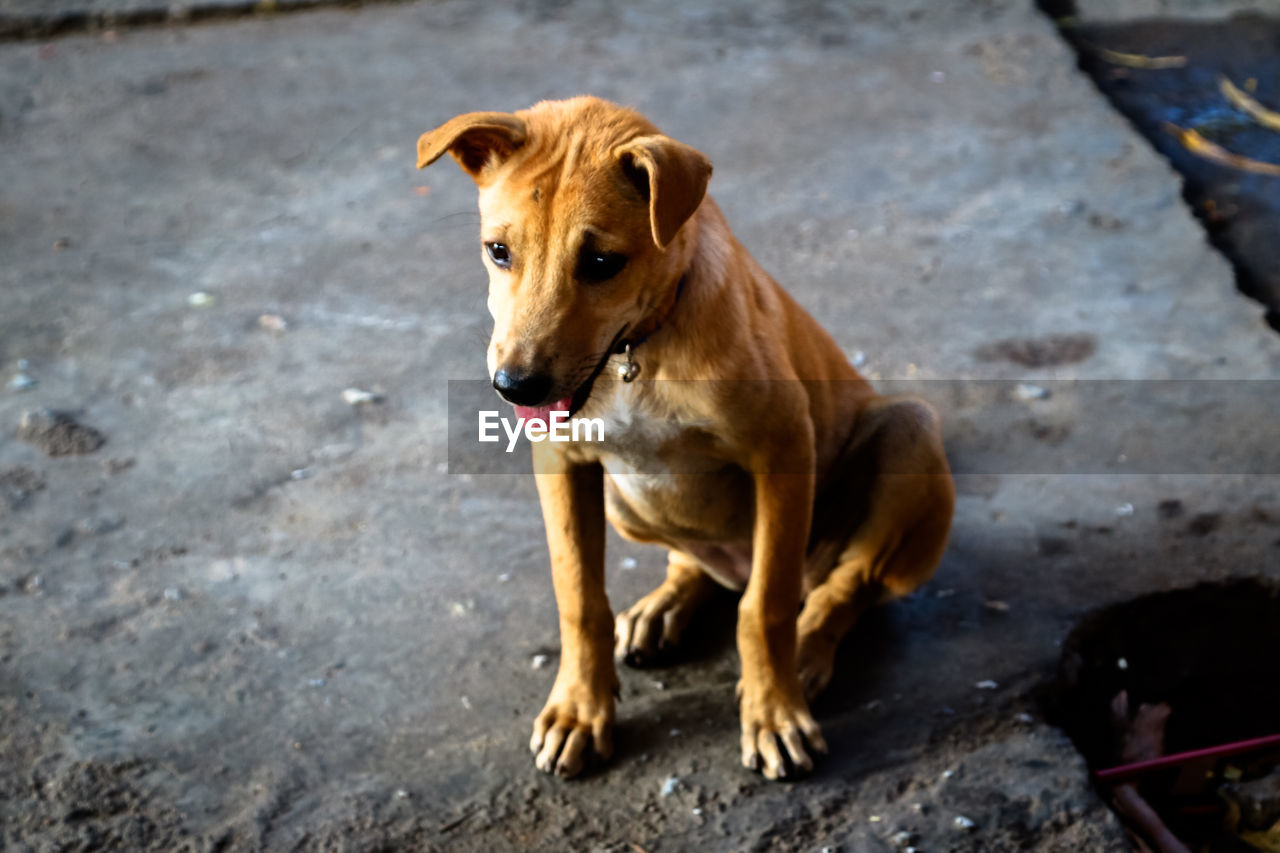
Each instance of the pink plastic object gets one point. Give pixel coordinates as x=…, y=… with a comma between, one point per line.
x=1124, y=772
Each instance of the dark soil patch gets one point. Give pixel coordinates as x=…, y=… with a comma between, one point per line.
x=58, y=433
x=17, y=485
x=1204, y=523
x=1207, y=651
x=90, y=805
x=1046, y=351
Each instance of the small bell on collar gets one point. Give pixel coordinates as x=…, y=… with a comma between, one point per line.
x=630, y=370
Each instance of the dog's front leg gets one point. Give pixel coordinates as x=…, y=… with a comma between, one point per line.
x=579, y=712
x=771, y=701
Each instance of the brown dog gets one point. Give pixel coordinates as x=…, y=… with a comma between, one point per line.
x=751, y=449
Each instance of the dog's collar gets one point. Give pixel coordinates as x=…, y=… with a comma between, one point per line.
x=642, y=338
x=630, y=370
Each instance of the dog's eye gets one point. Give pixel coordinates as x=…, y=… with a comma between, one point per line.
x=499, y=254
x=600, y=266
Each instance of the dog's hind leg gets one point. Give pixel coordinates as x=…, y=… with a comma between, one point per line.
x=653, y=625
x=897, y=466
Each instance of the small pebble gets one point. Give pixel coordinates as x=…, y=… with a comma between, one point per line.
x=962, y=822
x=539, y=661
x=697, y=811
x=22, y=382
x=875, y=818
x=901, y=838
x=172, y=594
x=302, y=474
x=1024, y=718
x=998, y=606
x=659, y=685
x=504, y=577
x=947, y=774
x=466, y=702
x=1124, y=509
x=627, y=563
x=674, y=733
x=99, y=526
x=358, y=397
x=670, y=785
x=1122, y=663
x=402, y=794
x=986, y=684
x=273, y=322
x=200, y=299
x=117, y=464
x=317, y=682
x=859, y=358
x=1027, y=391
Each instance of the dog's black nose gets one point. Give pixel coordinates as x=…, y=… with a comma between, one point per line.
x=522, y=389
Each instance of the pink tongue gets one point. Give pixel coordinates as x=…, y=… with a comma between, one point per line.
x=543, y=413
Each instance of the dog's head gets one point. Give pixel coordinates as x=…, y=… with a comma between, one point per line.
x=581, y=208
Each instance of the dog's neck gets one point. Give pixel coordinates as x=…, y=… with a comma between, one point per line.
x=644, y=332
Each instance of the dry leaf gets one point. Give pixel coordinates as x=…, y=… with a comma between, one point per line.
x=1241, y=100
x=1137, y=60
x=1198, y=145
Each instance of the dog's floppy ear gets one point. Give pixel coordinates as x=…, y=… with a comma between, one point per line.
x=671, y=176
x=474, y=140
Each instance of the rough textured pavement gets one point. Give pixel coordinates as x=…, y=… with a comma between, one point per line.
x=259, y=617
x=22, y=19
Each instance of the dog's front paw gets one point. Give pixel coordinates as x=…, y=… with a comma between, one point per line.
x=574, y=720
x=776, y=729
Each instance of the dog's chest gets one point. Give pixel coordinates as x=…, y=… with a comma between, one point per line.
x=668, y=478
x=647, y=439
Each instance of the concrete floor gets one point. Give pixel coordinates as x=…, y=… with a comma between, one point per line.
x=261, y=618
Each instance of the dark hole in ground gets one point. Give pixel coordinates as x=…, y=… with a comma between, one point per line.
x=1239, y=210
x=1211, y=653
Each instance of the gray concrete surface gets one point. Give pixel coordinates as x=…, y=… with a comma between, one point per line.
x=261, y=618
x=26, y=19
x=51, y=9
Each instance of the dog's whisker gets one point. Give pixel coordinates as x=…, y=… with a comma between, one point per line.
x=470, y=214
